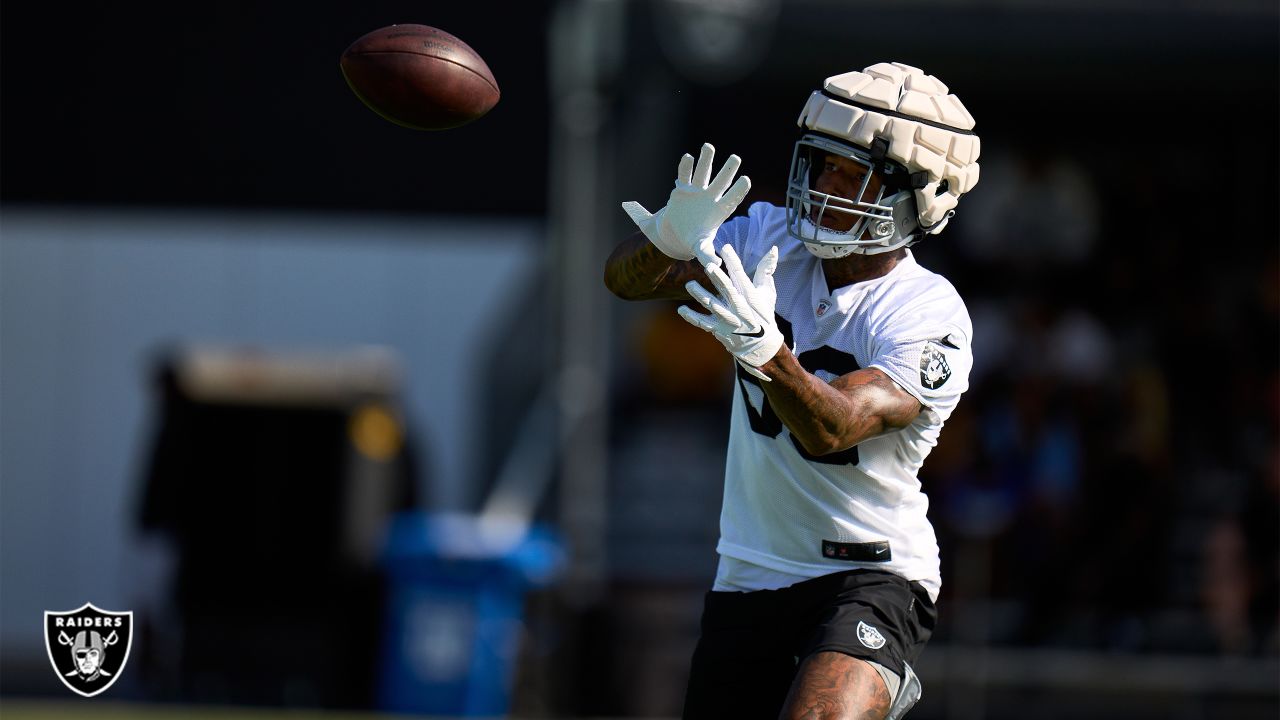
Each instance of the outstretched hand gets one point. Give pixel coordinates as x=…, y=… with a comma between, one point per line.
x=685, y=228
x=742, y=317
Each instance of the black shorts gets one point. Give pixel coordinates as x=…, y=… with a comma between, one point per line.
x=752, y=643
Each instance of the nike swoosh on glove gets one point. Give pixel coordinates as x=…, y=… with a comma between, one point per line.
x=685, y=228
x=742, y=317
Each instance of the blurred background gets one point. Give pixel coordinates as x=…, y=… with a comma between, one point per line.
x=344, y=414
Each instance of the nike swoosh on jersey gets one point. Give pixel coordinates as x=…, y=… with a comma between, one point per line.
x=758, y=333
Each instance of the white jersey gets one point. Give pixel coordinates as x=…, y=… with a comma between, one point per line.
x=788, y=516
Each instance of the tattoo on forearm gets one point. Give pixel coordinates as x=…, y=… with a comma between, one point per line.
x=639, y=271
x=834, y=685
x=831, y=417
x=895, y=406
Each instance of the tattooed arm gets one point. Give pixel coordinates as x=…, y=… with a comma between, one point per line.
x=829, y=417
x=639, y=271
x=831, y=685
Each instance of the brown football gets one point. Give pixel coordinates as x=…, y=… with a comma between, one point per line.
x=420, y=77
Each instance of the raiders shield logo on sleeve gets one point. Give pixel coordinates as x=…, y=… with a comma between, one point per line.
x=868, y=635
x=934, y=369
x=88, y=647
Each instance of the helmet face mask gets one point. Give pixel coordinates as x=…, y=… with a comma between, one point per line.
x=870, y=221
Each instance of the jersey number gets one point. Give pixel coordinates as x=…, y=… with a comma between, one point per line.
x=766, y=422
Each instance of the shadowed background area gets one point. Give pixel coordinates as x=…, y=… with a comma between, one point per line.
x=422, y=321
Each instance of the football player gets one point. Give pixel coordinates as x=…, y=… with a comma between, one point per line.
x=850, y=356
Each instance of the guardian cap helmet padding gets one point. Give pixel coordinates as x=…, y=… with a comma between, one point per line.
x=894, y=119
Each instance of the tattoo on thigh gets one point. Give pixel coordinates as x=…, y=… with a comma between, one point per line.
x=833, y=685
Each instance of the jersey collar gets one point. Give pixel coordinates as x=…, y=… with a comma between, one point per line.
x=844, y=298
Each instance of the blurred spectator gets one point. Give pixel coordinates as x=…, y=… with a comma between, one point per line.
x=1110, y=474
x=1033, y=210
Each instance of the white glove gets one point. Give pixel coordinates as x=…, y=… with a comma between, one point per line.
x=742, y=317
x=686, y=227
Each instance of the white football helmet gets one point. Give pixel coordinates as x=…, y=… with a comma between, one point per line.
x=894, y=119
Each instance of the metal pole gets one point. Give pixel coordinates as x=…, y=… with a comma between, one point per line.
x=583, y=36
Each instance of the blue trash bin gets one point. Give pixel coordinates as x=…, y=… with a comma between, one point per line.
x=455, y=611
